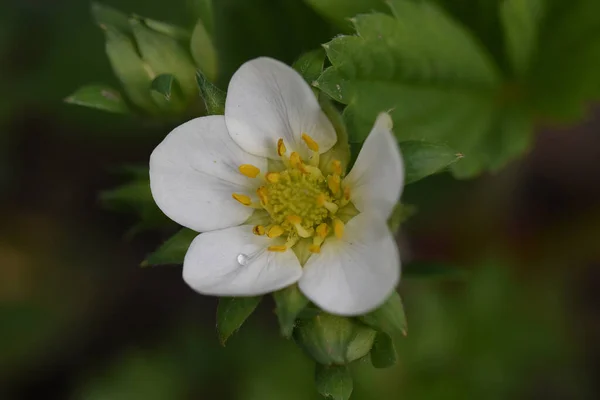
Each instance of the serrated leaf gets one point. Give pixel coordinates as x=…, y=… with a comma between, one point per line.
x=388, y=318
x=422, y=159
x=165, y=55
x=130, y=69
x=107, y=16
x=334, y=382
x=100, y=97
x=340, y=11
x=400, y=213
x=232, y=312
x=310, y=65
x=290, y=303
x=383, y=353
x=214, y=98
x=204, y=52
x=173, y=250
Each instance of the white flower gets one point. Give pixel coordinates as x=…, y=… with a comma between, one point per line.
x=262, y=159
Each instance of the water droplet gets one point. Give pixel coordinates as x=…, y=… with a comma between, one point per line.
x=242, y=259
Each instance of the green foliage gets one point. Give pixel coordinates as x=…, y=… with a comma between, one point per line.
x=389, y=317
x=310, y=65
x=173, y=250
x=99, y=96
x=422, y=159
x=330, y=339
x=214, y=98
x=334, y=381
x=232, y=312
x=203, y=51
x=290, y=303
x=383, y=353
x=340, y=11
x=433, y=270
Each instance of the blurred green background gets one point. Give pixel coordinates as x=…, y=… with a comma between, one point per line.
x=502, y=286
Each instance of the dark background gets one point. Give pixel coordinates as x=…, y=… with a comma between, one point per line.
x=516, y=316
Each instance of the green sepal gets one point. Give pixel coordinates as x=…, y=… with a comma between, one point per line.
x=388, y=318
x=214, y=98
x=232, y=312
x=341, y=150
x=173, y=31
x=173, y=250
x=383, y=353
x=167, y=93
x=290, y=302
x=203, y=51
x=422, y=159
x=333, y=381
x=100, y=97
x=331, y=339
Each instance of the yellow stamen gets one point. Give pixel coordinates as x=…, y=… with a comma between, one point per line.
x=242, y=198
x=275, y=231
x=322, y=201
x=336, y=167
x=249, y=170
x=297, y=222
x=281, y=150
x=258, y=230
x=322, y=231
x=310, y=142
x=262, y=194
x=338, y=228
x=279, y=249
x=272, y=177
x=314, y=248
x=333, y=181
x=311, y=169
x=295, y=160
x=347, y=193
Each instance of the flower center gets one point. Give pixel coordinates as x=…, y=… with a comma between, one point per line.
x=301, y=200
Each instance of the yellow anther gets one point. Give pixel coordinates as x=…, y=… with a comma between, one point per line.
x=333, y=181
x=321, y=199
x=275, y=231
x=310, y=142
x=347, y=193
x=279, y=249
x=272, y=177
x=249, y=170
x=323, y=202
x=314, y=248
x=259, y=230
x=322, y=231
x=294, y=219
x=336, y=167
x=311, y=169
x=242, y=198
x=338, y=228
x=295, y=160
x=262, y=194
x=281, y=150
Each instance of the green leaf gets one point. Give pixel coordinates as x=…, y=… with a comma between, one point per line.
x=422, y=159
x=165, y=55
x=340, y=11
x=232, y=312
x=107, y=16
x=383, y=353
x=520, y=19
x=173, y=250
x=99, y=96
x=434, y=78
x=310, y=65
x=173, y=31
x=214, y=98
x=204, y=52
x=331, y=339
x=401, y=213
x=389, y=318
x=290, y=302
x=132, y=71
x=333, y=382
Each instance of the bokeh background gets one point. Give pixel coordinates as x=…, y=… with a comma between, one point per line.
x=502, y=285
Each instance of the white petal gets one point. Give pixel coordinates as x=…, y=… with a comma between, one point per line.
x=194, y=172
x=377, y=177
x=212, y=264
x=356, y=274
x=268, y=100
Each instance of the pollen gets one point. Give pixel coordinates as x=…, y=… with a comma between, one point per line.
x=249, y=170
x=310, y=142
x=301, y=200
x=242, y=198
